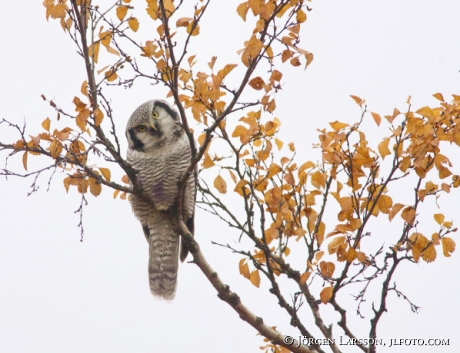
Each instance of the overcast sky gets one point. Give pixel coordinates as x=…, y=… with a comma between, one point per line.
x=58, y=294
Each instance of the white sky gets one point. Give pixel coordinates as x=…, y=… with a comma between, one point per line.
x=60, y=295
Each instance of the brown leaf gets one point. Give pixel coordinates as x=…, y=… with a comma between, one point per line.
x=257, y=83
x=327, y=268
x=24, y=160
x=377, y=118
x=326, y=294
x=220, y=184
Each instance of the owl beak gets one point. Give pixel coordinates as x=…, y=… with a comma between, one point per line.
x=152, y=123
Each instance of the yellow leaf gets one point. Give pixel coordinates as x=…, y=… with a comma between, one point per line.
x=255, y=278
x=326, y=294
x=201, y=139
x=279, y=143
x=115, y=193
x=24, y=160
x=448, y=246
x=439, y=218
x=121, y=12
x=207, y=161
x=84, y=88
x=242, y=10
x=93, y=51
x=429, y=253
x=377, y=118
x=318, y=179
x=46, y=124
x=394, y=210
x=106, y=173
x=95, y=186
x=58, y=11
x=244, y=268
x=111, y=75
x=337, y=125
x=133, y=24
x=98, y=116
x=383, y=148
x=301, y=16
x=408, y=214
x=439, y=96
x=193, y=28
x=220, y=184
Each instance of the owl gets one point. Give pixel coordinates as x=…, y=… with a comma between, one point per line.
x=159, y=151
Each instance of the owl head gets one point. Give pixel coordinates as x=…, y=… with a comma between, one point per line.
x=152, y=125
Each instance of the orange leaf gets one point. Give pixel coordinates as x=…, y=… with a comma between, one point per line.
x=377, y=118
x=125, y=179
x=326, y=294
x=358, y=100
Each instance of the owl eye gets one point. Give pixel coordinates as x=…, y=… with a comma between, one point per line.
x=155, y=114
x=141, y=128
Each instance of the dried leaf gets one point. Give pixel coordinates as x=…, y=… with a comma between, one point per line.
x=326, y=294
x=121, y=12
x=244, y=268
x=255, y=278
x=133, y=24
x=220, y=184
x=106, y=173
x=377, y=118
x=448, y=246
x=46, y=124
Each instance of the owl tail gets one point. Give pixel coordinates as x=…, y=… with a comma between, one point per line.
x=163, y=261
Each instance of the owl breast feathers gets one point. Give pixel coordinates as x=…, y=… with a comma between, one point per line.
x=159, y=151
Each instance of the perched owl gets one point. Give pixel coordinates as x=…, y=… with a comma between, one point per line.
x=159, y=151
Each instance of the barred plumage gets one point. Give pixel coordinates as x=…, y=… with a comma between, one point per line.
x=159, y=151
